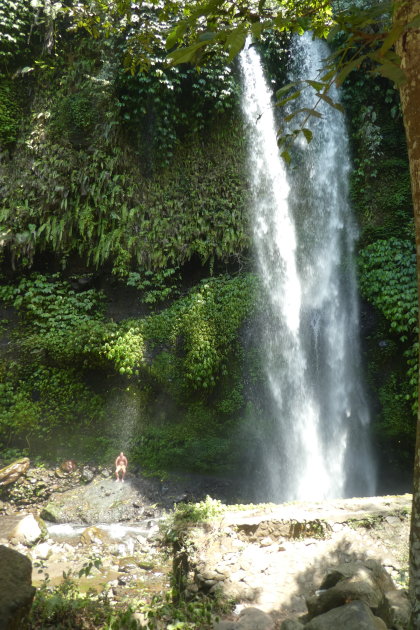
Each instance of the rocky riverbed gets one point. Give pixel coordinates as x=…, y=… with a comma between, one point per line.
x=265, y=556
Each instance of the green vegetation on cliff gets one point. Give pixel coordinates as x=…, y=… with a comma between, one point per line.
x=182, y=365
x=381, y=194
x=127, y=282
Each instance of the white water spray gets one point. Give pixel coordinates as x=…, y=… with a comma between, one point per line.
x=317, y=444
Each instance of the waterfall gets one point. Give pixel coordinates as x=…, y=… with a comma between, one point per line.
x=316, y=438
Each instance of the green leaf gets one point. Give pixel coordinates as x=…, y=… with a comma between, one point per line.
x=26, y=69
x=308, y=134
x=175, y=35
x=292, y=97
x=391, y=38
x=333, y=32
x=257, y=28
x=304, y=110
x=207, y=36
x=235, y=42
x=186, y=55
x=328, y=75
x=329, y=100
x=311, y=111
x=317, y=85
x=285, y=88
x=291, y=116
x=391, y=71
x=347, y=68
x=286, y=156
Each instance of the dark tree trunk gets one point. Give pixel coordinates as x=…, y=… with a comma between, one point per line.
x=408, y=47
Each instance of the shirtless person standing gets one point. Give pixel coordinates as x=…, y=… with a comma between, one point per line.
x=120, y=466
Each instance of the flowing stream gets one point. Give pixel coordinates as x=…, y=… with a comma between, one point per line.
x=316, y=443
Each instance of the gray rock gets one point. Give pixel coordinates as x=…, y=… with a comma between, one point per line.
x=16, y=590
x=249, y=619
x=395, y=609
x=381, y=575
x=94, y=535
x=22, y=528
x=209, y=574
x=51, y=513
x=353, y=616
x=42, y=551
x=87, y=475
x=348, y=570
x=10, y=473
x=291, y=624
x=254, y=619
x=102, y=500
x=239, y=591
x=360, y=586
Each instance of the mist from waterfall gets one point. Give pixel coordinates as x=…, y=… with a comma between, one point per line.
x=316, y=435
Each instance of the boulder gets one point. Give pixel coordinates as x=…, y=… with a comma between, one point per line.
x=381, y=575
x=94, y=535
x=127, y=564
x=395, y=609
x=249, y=619
x=87, y=475
x=347, y=570
x=254, y=619
x=239, y=591
x=291, y=624
x=348, y=582
x=42, y=551
x=51, y=512
x=353, y=616
x=358, y=587
x=27, y=491
x=16, y=590
x=12, y=472
x=101, y=501
x=68, y=466
x=22, y=528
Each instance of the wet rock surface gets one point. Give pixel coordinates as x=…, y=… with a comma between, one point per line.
x=101, y=501
x=96, y=489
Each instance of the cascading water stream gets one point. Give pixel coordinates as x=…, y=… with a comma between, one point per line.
x=317, y=444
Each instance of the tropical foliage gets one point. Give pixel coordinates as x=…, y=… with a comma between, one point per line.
x=188, y=350
x=124, y=175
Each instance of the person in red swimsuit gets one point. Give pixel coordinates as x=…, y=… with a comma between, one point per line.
x=121, y=464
